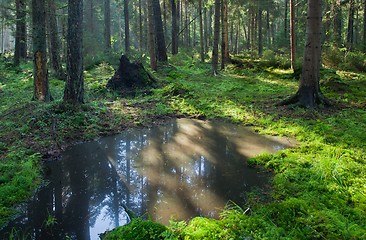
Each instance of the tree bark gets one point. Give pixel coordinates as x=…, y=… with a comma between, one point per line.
x=337, y=23
x=55, y=46
x=285, y=29
x=174, y=28
x=74, y=88
x=292, y=34
x=107, y=24
x=127, y=25
x=140, y=25
x=225, y=35
x=202, y=47
x=160, y=40
x=364, y=26
x=350, y=26
x=151, y=38
x=309, y=94
x=260, y=36
x=20, y=32
x=215, y=49
x=205, y=29
x=40, y=73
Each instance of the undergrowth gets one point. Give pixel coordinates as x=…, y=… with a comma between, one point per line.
x=318, y=191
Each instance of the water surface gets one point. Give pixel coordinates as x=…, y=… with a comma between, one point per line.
x=184, y=169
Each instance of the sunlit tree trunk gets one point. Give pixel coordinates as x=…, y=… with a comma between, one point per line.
x=127, y=25
x=20, y=32
x=292, y=34
x=40, y=72
x=107, y=24
x=202, y=47
x=74, y=88
x=215, y=48
x=55, y=46
x=309, y=94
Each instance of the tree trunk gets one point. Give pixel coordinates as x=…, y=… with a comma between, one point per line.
x=127, y=25
x=74, y=88
x=351, y=14
x=202, y=47
x=215, y=49
x=55, y=46
x=160, y=40
x=364, y=26
x=292, y=34
x=285, y=30
x=20, y=32
x=205, y=34
x=165, y=19
x=151, y=38
x=40, y=73
x=140, y=25
x=90, y=17
x=2, y=34
x=337, y=23
x=224, y=35
x=260, y=37
x=107, y=24
x=174, y=28
x=309, y=94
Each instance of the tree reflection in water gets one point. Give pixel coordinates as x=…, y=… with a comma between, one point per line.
x=184, y=169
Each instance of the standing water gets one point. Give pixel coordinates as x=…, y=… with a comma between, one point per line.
x=184, y=169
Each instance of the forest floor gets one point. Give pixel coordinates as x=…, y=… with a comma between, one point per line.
x=319, y=189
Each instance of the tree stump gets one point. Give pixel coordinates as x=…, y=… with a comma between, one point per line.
x=130, y=77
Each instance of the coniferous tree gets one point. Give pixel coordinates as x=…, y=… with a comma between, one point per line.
x=40, y=72
x=74, y=88
x=107, y=24
x=215, y=48
x=20, y=32
x=159, y=30
x=127, y=25
x=202, y=50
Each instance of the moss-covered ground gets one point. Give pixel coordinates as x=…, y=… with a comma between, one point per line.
x=319, y=188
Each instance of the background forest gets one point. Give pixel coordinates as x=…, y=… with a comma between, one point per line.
x=233, y=60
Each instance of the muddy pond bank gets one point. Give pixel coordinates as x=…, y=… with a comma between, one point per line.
x=179, y=170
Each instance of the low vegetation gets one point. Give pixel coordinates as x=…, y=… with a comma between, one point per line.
x=318, y=190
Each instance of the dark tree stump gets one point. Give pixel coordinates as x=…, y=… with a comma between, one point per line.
x=130, y=77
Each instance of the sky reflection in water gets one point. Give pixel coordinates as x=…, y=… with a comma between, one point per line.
x=184, y=169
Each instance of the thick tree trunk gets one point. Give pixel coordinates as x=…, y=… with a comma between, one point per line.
x=160, y=40
x=309, y=94
x=107, y=24
x=41, y=88
x=202, y=47
x=215, y=48
x=151, y=37
x=225, y=35
x=292, y=34
x=74, y=88
x=20, y=32
x=174, y=28
x=127, y=25
x=55, y=47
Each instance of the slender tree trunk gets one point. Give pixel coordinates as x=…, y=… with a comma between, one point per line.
x=364, y=26
x=55, y=46
x=237, y=31
x=160, y=40
x=292, y=34
x=260, y=36
x=90, y=26
x=40, y=73
x=2, y=35
x=215, y=50
x=337, y=23
x=309, y=94
x=174, y=28
x=20, y=32
x=165, y=19
x=140, y=25
x=268, y=29
x=285, y=21
x=127, y=25
x=205, y=29
x=151, y=38
x=107, y=24
x=224, y=35
x=350, y=26
x=186, y=21
x=202, y=47
x=74, y=88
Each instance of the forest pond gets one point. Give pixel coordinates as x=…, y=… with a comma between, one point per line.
x=183, y=169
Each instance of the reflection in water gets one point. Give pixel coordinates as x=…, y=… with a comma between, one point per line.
x=184, y=169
